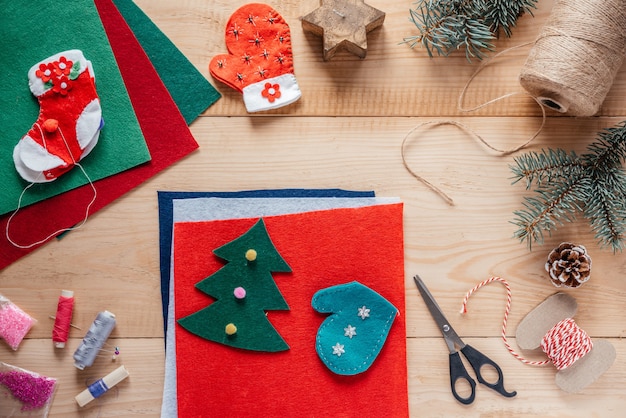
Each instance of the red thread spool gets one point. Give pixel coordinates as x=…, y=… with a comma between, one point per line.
x=63, y=318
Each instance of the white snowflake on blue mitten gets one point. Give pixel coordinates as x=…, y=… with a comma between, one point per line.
x=350, y=339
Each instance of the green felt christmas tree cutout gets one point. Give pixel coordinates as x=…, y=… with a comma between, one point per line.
x=244, y=289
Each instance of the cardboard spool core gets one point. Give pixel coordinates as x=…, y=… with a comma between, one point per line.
x=544, y=317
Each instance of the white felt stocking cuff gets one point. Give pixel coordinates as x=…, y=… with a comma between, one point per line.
x=271, y=93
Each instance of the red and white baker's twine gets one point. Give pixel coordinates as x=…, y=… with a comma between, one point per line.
x=563, y=344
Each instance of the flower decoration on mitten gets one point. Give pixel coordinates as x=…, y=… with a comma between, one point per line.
x=350, y=339
x=70, y=117
x=260, y=61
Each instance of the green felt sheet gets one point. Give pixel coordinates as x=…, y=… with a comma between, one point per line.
x=30, y=32
x=190, y=90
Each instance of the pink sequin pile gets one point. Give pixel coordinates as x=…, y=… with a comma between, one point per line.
x=14, y=323
x=32, y=390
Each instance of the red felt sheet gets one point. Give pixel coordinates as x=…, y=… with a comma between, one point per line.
x=323, y=249
x=166, y=132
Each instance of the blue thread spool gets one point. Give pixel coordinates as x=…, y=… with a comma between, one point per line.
x=92, y=343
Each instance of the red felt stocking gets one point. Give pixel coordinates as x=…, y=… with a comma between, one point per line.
x=69, y=121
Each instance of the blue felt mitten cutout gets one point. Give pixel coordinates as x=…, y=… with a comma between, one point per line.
x=350, y=339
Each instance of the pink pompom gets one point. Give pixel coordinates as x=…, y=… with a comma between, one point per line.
x=239, y=292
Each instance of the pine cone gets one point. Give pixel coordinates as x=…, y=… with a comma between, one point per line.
x=569, y=265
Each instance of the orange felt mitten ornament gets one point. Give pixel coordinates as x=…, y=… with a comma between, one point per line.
x=260, y=62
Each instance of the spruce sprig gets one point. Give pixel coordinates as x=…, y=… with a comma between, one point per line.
x=448, y=25
x=593, y=184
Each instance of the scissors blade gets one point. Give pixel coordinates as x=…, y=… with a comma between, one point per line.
x=452, y=339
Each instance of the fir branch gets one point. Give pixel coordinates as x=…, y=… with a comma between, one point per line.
x=594, y=184
x=609, y=149
x=448, y=25
x=545, y=166
x=555, y=203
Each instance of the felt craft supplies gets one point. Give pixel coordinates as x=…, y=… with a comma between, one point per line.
x=201, y=206
x=96, y=336
x=24, y=393
x=343, y=24
x=259, y=63
x=316, y=246
x=101, y=386
x=14, y=323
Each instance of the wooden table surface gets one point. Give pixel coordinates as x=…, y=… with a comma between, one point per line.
x=346, y=132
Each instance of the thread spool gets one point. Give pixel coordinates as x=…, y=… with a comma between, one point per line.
x=95, y=338
x=570, y=69
x=566, y=343
x=63, y=318
x=101, y=386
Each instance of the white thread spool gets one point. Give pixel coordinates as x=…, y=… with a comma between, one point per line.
x=579, y=51
x=95, y=338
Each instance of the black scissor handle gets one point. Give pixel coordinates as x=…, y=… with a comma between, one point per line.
x=477, y=361
x=458, y=372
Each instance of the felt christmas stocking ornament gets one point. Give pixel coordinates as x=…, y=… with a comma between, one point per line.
x=260, y=62
x=70, y=117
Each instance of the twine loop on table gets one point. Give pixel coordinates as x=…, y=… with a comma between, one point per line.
x=564, y=343
x=470, y=131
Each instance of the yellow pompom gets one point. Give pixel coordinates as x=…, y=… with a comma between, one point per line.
x=251, y=255
x=231, y=329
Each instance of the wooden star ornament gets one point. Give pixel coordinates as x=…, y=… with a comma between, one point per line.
x=343, y=24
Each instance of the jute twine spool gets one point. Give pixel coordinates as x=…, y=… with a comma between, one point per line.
x=580, y=49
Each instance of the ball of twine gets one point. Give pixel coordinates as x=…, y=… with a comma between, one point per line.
x=573, y=63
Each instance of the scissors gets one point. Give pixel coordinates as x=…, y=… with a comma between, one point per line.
x=475, y=358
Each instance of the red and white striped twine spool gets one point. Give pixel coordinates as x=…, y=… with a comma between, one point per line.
x=563, y=344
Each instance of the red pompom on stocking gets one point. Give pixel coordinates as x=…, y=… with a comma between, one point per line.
x=260, y=61
x=70, y=117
